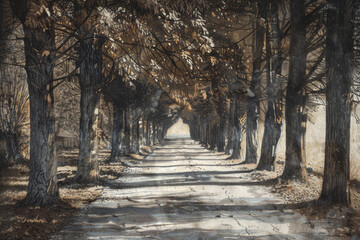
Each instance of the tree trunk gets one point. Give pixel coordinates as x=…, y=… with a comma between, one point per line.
x=208, y=135
x=40, y=61
x=127, y=132
x=212, y=132
x=138, y=140
x=237, y=133
x=230, y=126
x=218, y=135
x=142, y=132
x=135, y=132
x=220, y=138
x=339, y=60
x=90, y=62
x=116, y=134
x=204, y=132
x=253, y=105
x=273, y=119
x=154, y=132
x=134, y=139
x=13, y=154
x=148, y=132
x=295, y=113
x=197, y=130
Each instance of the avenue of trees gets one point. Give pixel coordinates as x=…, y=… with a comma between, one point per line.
x=218, y=65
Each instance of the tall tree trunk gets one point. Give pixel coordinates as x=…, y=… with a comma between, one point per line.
x=154, y=132
x=253, y=104
x=197, y=130
x=40, y=61
x=142, y=131
x=204, y=132
x=237, y=133
x=148, y=132
x=137, y=136
x=212, y=135
x=208, y=135
x=90, y=62
x=220, y=138
x=219, y=98
x=295, y=115
x=273, y=119
x=127, y=132
x=230, y=126
x=116, y=134
x=339, y=59
x=133, y=131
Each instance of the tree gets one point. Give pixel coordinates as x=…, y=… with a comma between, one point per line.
x=39, y=44
x=90, y=68
x=340, y=69
x=274, y=114
x=295, y=115
x=253, y=102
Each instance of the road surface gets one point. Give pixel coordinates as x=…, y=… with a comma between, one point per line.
x=183, y=191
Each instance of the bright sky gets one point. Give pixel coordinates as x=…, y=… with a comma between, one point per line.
x=179, y=128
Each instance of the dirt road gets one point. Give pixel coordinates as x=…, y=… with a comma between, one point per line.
x=183, y=191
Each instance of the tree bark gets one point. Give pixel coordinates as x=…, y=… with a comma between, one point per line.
x=253, y=104
x=127, y=132
x=13, y=154
x=295, y=112
x=220, y=106
x=204, y=132
x=230, y=126
x=148, y=132
x=90, y=62
x=134, y=139
x=274, y=114
x=154, y=132
x=212, y=136
x=237, y=133
x=116, y=134
x=135, y=133
x=339, y=60
x=40, y=62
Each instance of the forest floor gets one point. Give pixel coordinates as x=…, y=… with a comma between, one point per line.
x=20, y=222
x=205, y=195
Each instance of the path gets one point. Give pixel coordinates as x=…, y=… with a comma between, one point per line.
x=183, y=191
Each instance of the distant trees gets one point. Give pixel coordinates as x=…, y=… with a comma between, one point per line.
x=13, y=99
x=13, y=90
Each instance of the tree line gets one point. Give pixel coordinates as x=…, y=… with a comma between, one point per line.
x=217, y=65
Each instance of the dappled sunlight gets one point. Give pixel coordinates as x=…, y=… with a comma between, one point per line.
x=179, y=196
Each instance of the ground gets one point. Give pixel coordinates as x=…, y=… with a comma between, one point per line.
x=20, y=222
x=181, y=191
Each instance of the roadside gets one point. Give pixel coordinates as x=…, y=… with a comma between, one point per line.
x=307, y=193
x=20, y=222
